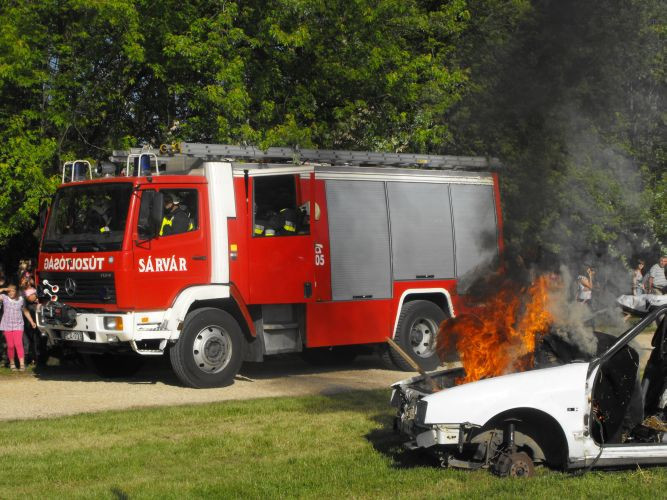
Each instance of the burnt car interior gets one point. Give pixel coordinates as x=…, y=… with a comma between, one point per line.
x=620, y=403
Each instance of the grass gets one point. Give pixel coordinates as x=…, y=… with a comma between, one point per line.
x=6, y=373
x=311, y=447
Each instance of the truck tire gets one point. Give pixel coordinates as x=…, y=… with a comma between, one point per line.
x=113, y=365
x=384, y=352
x=416, y=333
x=209, y=351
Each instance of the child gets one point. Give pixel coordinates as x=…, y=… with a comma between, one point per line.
x=12, y=324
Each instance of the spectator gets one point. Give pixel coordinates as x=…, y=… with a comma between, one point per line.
x=638, y=278
x=33, y=344
x=657, y=282
x=25, y=266
x=3, y=349
x=585, y=285
x=12, y=324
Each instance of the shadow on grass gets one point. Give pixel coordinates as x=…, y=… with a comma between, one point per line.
x=119, y=494
x=390, y=444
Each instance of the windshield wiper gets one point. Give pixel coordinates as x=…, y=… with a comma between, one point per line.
x=57, y=243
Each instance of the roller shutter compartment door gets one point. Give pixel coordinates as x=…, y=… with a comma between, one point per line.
x=475, y=230
x=421, y=230
x=359, y=240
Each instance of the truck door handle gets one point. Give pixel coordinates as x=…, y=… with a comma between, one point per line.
x=199, y=257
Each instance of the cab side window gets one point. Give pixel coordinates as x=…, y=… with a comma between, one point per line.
x=143, y=225
x=276, y=208
x=181, y=211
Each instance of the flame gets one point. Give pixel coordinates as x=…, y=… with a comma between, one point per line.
x=501, y=337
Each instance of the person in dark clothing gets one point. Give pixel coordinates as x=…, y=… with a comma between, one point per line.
x=98, y=218
x=175, y=220
x=3, y=347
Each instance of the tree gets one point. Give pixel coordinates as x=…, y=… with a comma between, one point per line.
x=573, y=103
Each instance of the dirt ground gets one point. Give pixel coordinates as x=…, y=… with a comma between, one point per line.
x=66, y=390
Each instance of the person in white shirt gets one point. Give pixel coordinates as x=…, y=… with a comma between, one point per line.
x=657, y=282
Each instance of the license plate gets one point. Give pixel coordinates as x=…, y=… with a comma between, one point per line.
x=78, y=336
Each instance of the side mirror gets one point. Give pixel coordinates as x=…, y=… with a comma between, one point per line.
x=150, y=215
x=43, y=211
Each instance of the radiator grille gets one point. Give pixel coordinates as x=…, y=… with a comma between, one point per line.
x=94, y=288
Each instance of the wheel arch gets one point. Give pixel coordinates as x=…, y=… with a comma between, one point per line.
x=439, y=296
x=235, y=306
x=222, y=297
x=543, y=428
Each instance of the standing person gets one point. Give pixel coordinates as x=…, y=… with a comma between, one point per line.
x=657, y=281
x=3, y=349
x=585, y=286
x=638, y=278
x=12, y=324
x=32, y=338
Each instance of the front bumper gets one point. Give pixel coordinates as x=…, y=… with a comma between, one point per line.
x=409, y=422
x=88, y=331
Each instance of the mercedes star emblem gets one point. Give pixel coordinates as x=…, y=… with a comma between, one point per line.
x=70, y=287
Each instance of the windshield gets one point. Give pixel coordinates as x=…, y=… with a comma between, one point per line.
x=88, y=218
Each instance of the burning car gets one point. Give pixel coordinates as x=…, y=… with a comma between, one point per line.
x=585, y=413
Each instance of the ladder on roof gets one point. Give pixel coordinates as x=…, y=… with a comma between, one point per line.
x=321, y=156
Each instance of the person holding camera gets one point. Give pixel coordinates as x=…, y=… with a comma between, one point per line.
x=585, y=285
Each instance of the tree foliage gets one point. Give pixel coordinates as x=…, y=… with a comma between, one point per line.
x=569, y=94
x=574, y=103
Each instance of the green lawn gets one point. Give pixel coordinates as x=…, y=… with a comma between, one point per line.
x=324, y=446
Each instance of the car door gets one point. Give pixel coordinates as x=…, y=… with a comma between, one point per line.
x=620, y=405
x=282, y=257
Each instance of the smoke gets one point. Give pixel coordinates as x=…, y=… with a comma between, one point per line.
x=596, y=212
x=571, y=319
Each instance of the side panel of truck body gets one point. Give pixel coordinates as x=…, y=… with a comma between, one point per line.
x=379, y=236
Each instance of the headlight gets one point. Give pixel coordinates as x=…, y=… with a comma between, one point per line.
x=113, y=323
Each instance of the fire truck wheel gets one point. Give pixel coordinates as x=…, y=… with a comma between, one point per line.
x=416, y=333
x=113, y=365
x=209, y=352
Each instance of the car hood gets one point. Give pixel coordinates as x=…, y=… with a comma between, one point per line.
x=555, y=390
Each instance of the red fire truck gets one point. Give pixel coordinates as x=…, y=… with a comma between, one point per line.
x=223, y=254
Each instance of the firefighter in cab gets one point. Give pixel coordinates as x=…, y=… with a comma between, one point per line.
x=175, y=219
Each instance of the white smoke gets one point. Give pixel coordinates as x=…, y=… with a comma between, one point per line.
x=570, y=317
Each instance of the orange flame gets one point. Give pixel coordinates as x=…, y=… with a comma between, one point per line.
x=501, y=338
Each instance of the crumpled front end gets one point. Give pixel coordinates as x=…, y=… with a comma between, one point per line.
x=408, y=398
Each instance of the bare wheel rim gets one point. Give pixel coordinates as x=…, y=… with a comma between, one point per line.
x=212, y=349
x=422, y=337
x=522, y=465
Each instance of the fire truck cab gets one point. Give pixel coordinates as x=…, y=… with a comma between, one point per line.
x=222, y=254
